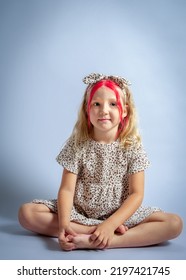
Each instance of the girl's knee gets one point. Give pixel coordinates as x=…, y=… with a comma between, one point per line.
x=175, y=225
x=25, y=214
x=172, y=223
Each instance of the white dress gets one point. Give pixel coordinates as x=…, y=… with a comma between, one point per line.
x=102, y=180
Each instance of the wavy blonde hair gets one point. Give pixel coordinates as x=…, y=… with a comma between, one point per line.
x=81, y=131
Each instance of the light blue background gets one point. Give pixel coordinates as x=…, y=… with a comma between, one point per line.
x=47, y=47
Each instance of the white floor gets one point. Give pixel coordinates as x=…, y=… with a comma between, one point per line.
x=17, y=243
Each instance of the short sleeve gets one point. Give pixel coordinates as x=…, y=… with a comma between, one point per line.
x=69, y=157
x=137, y=159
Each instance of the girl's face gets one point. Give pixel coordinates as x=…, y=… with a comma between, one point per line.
x=104, y=113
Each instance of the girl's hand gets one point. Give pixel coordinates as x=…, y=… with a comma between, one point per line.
x=103, y=235
x=64, y=242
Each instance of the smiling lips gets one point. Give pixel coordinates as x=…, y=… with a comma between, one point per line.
x=103, y=120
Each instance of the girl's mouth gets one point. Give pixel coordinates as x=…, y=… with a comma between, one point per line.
x=103, y=120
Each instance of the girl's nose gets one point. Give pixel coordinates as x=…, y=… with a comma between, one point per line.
x=104, y=109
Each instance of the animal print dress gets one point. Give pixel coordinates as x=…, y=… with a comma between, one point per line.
x=102, y=180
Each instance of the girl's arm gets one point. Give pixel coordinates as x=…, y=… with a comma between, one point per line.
x=105, y=230
x=132, y=203
x=65, y=203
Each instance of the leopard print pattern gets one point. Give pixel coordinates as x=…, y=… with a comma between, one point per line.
x=102, y=180
x=96, y=77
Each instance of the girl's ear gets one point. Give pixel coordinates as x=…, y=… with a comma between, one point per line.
x=125, y=111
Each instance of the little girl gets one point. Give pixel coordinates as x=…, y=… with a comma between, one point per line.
x=99, y=202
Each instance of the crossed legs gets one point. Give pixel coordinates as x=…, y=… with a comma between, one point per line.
x=155, y=229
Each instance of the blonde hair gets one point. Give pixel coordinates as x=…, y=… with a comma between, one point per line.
x=130, y=131
x=81, y=132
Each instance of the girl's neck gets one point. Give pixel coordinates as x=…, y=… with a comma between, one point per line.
x=104, y=138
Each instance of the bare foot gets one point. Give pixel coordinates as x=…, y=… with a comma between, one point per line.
x=121, y=229
x=81, y=241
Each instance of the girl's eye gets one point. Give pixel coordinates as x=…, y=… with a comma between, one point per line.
x=96, y=104
x=113, y=104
